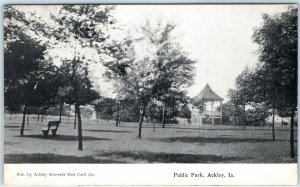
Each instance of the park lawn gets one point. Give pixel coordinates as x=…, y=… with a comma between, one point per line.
x=103, y=142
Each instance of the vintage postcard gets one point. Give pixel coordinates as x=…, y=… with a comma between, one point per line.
x=150, y=94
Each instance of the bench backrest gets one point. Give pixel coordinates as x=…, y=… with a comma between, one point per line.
x=53, y=123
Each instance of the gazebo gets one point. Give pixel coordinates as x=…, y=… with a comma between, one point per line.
x=212, y=104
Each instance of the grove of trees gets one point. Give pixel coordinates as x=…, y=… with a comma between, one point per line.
x=271, y=86
x=152, y=85
x=74, y=26
x=161, y=73
x=149, y=69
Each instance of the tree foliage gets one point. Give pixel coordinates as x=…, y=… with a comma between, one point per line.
x=272, y=84
x=162, y=69
x=105, y=107
x=24, y=63
x=77, y=26
x=277, y=39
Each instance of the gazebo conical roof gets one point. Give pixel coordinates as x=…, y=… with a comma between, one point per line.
x=207, y=94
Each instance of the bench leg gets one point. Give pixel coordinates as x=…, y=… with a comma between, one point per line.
x=45, y=132
x=53, y=131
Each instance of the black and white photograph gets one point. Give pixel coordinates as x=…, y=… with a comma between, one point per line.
x=150, y=84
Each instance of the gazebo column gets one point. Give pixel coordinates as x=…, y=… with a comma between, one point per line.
x=221, y=107
x=211, y=110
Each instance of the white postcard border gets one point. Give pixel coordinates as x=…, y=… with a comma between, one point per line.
x=150, y=174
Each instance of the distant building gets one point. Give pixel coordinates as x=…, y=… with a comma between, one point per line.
x=212, y=113
x=281, y=121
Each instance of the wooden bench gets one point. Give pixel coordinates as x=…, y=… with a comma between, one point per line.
x=53, y=125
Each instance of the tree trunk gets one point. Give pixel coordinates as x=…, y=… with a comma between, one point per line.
x=10, y=115
x=281, y=121
x=118, y=113
x=27, y=115
x=153, y=123
x=97, y=117
x=117, y=121
x=273, y=125
x=163, y=116
x=75, y=117
x=42, y=116
x=153, y=120
x=244, y=117
x=234, y=115
x=69, y=113
x=23, y=121
x=79, y=128
x=39, y=113
x=60, y=110
x=142, y=113
x=292, y=134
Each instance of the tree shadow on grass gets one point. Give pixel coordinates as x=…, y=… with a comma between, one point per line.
x=113, y=131
x=213, y=128
x=220, y=139
x=238, y=128
x=53, y=158
x=119, y=157
x=10, y=143
x=12, y=126
x=195, y=131
x=62, y=137
x=170, y=157
x=19, y=129
x=146, y=126
x=287, y=130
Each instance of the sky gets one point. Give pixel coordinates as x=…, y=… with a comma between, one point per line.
x=217, y=37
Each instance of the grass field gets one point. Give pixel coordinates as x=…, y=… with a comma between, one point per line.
x=106, y=143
